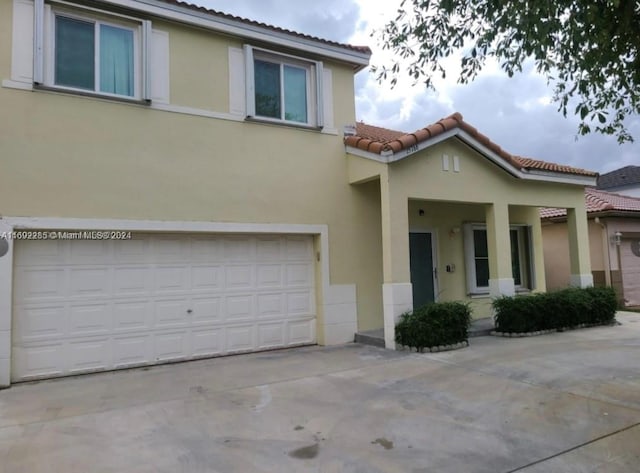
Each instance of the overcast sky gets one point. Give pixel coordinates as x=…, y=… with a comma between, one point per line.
x=515, y=112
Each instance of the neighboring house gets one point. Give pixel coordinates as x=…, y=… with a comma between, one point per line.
x=614, y=242
x=625, y=181
x=210, y=146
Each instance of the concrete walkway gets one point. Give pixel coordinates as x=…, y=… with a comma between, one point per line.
x=565, y=402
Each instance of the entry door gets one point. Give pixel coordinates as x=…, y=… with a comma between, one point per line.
x=422, y=268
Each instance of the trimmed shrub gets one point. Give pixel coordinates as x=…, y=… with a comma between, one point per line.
x=566, y=308
x=440, y=323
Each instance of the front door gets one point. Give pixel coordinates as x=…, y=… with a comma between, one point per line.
x=422, y=268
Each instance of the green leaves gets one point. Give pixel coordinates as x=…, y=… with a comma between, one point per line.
x=588, y=51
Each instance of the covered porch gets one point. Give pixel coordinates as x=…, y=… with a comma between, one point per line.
x=460, y=220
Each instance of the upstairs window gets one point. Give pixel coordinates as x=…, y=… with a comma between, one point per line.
x=283, y=88
x=78, y=48
x=94, y=56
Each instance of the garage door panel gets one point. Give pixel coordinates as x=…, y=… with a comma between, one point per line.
x=41, y=253
x=171, y=279
x=89, y=319
x=269, y=276
x=302, y=332
x=269, y=249
x=33, y=323
x=133, y=251
x=39, y=360
x=239, y=308
x=89, y=282
x=206, y=310
x=239, y=248
x=39, y=283
x=239, y=277
x=170, y=249
x=132, y=281
x=299, y=274
x=240, y=338
x=156, y=298
x=171, y=346
x=171, y=312
x=297, y=248
x=631, y=273
x=271, y=335
x=132, y=315
x=270, y=305
x=209, y=278
x=206, y=249
x=132, y=350
x=299, y=303
x=89, y=355
x=207, y=342
x=89, y=251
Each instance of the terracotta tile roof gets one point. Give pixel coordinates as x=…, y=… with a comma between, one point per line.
x=219, y=14
x=378, y=140
x=599, y=201
x=620, y=177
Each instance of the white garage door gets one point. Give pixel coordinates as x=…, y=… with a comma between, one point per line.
x=629, y=255
x=83, y=306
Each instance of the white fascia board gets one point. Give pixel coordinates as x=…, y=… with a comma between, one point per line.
x=525, y=174
x=539, y=175
x=244, y=30
x=367, y=154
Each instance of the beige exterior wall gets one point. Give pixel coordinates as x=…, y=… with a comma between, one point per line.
x=6, y=14
x=70, y=156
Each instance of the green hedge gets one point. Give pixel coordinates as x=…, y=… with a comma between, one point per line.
x=440, y=323
x=566, y=308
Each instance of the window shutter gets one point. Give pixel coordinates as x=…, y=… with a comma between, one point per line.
x=159, y=71
x=531, y=256
x=237, y=87
x=327, y=98
x=249, y=81
x=23, y=46
x=319, y=80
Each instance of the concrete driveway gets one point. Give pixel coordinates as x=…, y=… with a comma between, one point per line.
x=568, y=402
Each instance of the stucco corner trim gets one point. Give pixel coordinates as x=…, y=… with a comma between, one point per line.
x=397, y=298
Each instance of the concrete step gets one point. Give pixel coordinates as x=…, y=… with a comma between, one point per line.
x=481, y=327
x=371, y=337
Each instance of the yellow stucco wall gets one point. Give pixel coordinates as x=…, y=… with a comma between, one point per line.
x=72, y=156
x=6, y=13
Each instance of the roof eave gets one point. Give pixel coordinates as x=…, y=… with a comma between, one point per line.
x=525, y=174
x=183, y=14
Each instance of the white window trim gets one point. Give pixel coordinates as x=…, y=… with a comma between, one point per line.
x=44, y=48
x=314, y=86
x=469, y=258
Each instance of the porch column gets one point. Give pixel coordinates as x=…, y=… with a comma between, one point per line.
x=579, y=247
x=397, y=296
x=499, y=246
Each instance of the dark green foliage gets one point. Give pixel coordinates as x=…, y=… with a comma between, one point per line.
x=440, y=323
x=589, y=51
x=567, y=308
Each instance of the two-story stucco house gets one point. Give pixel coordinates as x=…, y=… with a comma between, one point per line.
x=175, y=184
